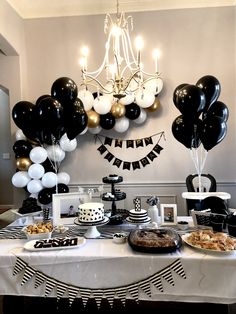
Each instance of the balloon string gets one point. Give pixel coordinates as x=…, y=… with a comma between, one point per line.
x=199, y=163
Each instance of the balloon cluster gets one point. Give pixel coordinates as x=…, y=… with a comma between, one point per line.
x=203, y=118
x=48, y=129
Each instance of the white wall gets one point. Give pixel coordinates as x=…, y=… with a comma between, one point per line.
x=194, y=42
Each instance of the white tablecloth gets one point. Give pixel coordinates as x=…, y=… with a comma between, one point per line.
x=102, y=264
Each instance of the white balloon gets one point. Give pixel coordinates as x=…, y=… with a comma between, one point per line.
x=95, y=130
x=20, y=179
x=34, y=186
x=142, y=117
x=87, y=99
x=66, y=144
x=20, y=135
x=154, y=86
x=36, y=171
x=63, y=177
x=49, y=179
x=55, y=153
x=144, y=98
x=121, y=125
x=128, y=99
x=38, y=154
x=102, y=104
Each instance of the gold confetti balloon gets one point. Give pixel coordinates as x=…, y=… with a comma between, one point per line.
x=93, y=119
x=154, y=106
x=118, y=110
x=23, y=163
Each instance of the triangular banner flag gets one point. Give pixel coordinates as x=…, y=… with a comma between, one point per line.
x=85, y=295
x=144, y=161
x=167, y=275
x=50, y=284
x=19, y=266
x=139, y=143
x=178, y=268
x=61, y=289
x=146, y=287
x=129, y=143
x=157, y=148
x=117, y=162
x=148, y=141
x=109, y=295
x=126, y=165
x=135, y=165
x=156, y=281
x=109, y=156
x=152, y=155
x=121, y=293
x=72, y=293
x=28, y=274
x=134, y=291
x=39, y=279
x=98, y=294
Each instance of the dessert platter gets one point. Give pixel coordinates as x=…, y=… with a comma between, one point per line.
x=54, y=244
x=209, y=241
x=152, y=240
x=91, y=215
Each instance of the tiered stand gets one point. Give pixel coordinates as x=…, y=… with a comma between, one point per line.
x=116, y=217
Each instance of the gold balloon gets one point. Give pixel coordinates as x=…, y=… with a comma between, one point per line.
x=154, y=106
x=118, y=110
x=93, y=119
x=23, y=163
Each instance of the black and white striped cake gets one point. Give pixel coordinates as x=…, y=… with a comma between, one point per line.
x=139, y=215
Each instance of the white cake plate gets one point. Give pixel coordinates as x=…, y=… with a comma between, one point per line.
x=92, y=231
x=138, y=224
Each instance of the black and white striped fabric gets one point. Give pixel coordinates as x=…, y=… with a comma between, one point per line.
x=73, y=231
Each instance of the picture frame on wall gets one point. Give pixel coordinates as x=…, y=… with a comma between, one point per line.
x=168, y=213
x=65, y=207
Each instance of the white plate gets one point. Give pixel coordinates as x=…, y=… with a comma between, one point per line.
x=29, y=246
x=100, y=223
x=185, y=239
x=136, y=222
x=15, y=211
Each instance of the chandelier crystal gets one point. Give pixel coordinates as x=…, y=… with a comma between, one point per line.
x=121, y=70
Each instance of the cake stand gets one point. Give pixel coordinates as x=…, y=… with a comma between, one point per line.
x=92, y=231
x=138, y=224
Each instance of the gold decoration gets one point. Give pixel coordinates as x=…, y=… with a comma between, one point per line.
x=93, y=119
x=118, y=110
x=154, y=106
x=23, y=163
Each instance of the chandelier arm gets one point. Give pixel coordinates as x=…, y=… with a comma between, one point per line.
x=92, y=79
x=126, y=49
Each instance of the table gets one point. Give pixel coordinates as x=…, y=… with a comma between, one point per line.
x=102, y=268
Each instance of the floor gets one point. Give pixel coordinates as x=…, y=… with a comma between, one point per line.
x=29, y=305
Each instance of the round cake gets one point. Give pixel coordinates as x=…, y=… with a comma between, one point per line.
x=138, y=215
x=91, y=212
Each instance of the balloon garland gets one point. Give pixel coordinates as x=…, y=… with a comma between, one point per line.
x=203, y=118
x=48, y=129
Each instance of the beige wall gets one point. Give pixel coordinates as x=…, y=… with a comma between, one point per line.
x=194, y=42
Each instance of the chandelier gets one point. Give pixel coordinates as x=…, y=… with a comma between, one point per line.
x=122, y=70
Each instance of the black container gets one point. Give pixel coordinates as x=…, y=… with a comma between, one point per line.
x=231, y=224
x=217, y=222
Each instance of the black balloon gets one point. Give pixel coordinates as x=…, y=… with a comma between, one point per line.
x=211, y=88
x=45, y=196
x=64, y=90
x=132, y=111
x=176, y=93
x=191, y=101
x=76, y=119
x=40, y=98
x=217, y=109
x=212, y=132
x=22, y=113
x=22, y=148
x=49, y=166
x=61, y=188
x=107, y=121
x=50, y=115
x=187, y=132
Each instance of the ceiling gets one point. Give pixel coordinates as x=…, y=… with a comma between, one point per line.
x=54, y=8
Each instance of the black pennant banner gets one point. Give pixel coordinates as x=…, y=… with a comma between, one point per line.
x=128, y=165
x=122, y=292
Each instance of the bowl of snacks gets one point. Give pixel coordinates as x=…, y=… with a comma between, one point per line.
x=119, y=237
x=40, y=230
